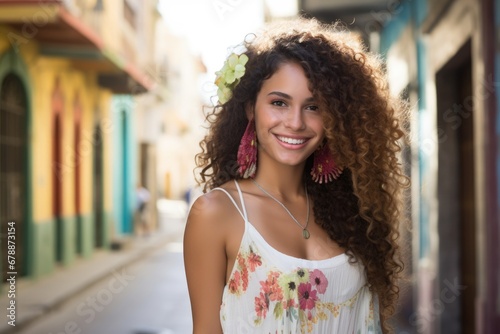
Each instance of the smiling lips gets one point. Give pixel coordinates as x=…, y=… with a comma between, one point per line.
x=291, y=141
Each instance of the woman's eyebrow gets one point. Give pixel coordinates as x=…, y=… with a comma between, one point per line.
x=288, y=97
x=281, y=94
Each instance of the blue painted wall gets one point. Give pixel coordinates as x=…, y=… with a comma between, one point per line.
x=123, y=163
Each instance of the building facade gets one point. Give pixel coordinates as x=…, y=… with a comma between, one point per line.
x=66, y=87
x=443, y=56
x=448, y=48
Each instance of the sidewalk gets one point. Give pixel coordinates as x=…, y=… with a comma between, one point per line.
x=36, y=297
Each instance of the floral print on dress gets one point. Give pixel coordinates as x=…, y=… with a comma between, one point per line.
x=246, y=263
x=295, y=296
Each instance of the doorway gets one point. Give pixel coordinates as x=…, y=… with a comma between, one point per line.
x=13, y=170
x=456, y=224
x=57, y=167
x=77, y=136
x=98, y=198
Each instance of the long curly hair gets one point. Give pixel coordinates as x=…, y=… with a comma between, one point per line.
x=361, y=209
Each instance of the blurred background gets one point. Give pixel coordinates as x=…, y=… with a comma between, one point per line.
x=101, y=112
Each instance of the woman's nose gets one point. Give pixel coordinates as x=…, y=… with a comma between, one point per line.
x=294, y=119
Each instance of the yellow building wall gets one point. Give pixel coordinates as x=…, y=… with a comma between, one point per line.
x=49, y=234
x=44, y=75
x=43, y=72
x=87, y=101
x=41, y=140
x=4, y=42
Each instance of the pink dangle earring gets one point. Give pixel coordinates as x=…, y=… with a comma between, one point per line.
x=247, y=152
x=324, y=168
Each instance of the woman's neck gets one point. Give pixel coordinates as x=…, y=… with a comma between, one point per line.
x=284, y=181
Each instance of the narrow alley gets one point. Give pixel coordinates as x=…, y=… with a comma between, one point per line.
x=147, y=297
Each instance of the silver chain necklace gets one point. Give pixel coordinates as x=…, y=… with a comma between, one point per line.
x=305, y=232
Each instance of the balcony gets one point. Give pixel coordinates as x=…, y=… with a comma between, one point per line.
x=60, y=31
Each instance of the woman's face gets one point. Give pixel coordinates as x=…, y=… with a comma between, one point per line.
x=288, y=121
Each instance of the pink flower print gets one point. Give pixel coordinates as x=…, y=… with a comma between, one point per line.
x=273, y=288
x=318, y=280
x=244, y=278
x=241, y=261
x=254, y=261
x=307, y=297
x=273, y=277
x=261, y=305
x=234, y=282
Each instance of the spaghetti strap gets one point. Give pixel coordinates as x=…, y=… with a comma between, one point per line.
x=241, y=200
x=232, y=200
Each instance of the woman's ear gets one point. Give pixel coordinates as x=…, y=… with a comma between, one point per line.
x=250, y=111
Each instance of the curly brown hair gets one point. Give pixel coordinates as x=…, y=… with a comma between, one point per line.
x=361, y=209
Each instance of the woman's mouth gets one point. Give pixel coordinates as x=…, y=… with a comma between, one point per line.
x=291, y=141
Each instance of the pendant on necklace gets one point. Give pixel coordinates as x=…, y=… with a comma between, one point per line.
x=305, y=233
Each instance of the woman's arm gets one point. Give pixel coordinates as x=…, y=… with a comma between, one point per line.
x=205, y=262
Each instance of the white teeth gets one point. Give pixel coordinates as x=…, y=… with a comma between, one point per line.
x=291, y=140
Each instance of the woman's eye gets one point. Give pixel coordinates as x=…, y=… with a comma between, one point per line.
x=278, y=103
x=312, y=108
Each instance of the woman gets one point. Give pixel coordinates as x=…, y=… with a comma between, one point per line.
x=297, y=233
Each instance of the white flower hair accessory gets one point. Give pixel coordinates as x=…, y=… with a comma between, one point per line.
x=229, y=76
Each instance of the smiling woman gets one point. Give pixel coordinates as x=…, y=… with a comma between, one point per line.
x=297, y=230
x=288, y=123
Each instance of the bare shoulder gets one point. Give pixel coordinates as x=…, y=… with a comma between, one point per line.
x=209, y=206
x=212, y=210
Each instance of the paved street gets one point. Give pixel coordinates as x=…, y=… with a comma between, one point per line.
x=148, y=297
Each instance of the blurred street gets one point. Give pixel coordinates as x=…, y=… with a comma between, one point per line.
x=102, y=108
x=149, y=296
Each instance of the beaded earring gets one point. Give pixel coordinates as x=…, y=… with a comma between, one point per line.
x=247, y=152
x=324, y=168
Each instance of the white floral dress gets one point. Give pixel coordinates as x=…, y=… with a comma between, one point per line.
x=271, y=292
